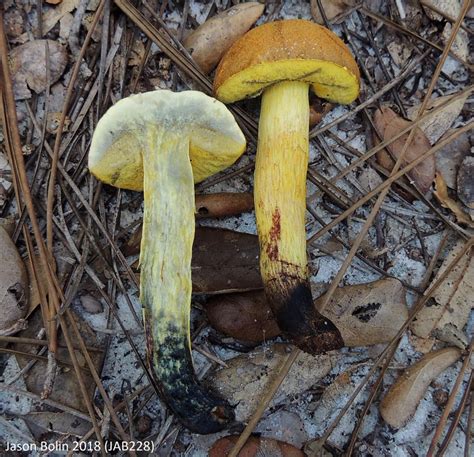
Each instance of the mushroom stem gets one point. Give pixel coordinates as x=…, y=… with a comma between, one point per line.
x=280, y=205
x=166, y=249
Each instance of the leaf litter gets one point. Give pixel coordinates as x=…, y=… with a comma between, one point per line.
x=406, y=248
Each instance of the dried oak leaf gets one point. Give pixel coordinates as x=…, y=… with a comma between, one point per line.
x=452, y=299
x=28, y=66
x=389, y=124
x=401, y=401
x=208, y=43
x=254, y=447
x=365, y=314
x=441, y=193
x=246, y=377
x=13, y=287
x=436, y=124
x=332, y=8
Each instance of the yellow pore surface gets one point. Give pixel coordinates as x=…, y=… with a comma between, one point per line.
x=292, y=50
x=119, y=147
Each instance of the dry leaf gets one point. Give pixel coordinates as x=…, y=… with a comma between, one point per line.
x=450, y=157
x=389, y=124
x=284, y=426
x=401, y=401
x=332, y=8
x=208, y=43
x=246, y=377
x=438, y=123
x=223, y=260
x=451, y=8
x=223, y=204
x=365, y=314
x=254, y=447
x=460, y=46
x=399, y=52
x=466, y=182
x=246, y=316
x=452, y=299
x=28, y=66
x=51, y=16
x=441, y=193
x=13, y=287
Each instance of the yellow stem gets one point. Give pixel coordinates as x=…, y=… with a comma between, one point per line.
x=280, y=181
x=165, y=286
x=280, y=206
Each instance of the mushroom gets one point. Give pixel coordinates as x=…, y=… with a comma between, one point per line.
x=283, y=60
x=162, y=143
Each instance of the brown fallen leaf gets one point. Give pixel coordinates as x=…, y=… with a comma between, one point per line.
x=449, y=158
x=332, y=8
x=452, y=300
x=441, y=193
x=208, y=43
x=466, y=182
x=401, y=401
x=247, y=376
x=436, y=124
x=365, y=314
x=223, y=204
x=28, y=66
x=223, y=261
x=254, y=447
x=389, y=124
x=13, y=287
x=245, y=316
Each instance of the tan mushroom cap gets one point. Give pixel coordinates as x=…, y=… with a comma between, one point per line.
x=289, y=50
x=123, y=135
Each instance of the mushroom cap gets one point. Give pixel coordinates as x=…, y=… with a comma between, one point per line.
x=120, y=138
x=289, y=50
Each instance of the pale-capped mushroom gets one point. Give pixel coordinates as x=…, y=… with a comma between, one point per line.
x=162, y=143
x=284, y=59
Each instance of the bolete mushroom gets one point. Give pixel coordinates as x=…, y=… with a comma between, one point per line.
x=284, y=59
x=162, y=143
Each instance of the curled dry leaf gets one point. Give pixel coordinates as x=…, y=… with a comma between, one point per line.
x=441, y=193
x=435, y=125
x=452, y=299
x=365, y=314
x=389, y=124
x=466, y=182
x=208, y=43
x=13, y=287
x=223, y=204
x=332, y=8
x=401, y=401
x=254, y=447
x=28, y=66
x=246, y=377
x=318, y=108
